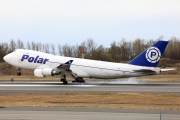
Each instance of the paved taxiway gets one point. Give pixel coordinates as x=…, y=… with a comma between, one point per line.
x=17, y=87
x=66, y=113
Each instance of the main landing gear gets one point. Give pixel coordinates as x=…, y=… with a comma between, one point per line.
x=63, y=79
x=19, y=72
x=77, y=80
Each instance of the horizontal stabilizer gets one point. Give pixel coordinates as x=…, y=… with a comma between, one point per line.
x=167, y=69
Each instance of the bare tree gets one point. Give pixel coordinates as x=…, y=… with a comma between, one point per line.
x=160, y=37
x=67, y=50
x=3, y=51
x=46, y=47
x=20, y=44
x=114, y=52
x=39, y=47
x=138, y=47
x=53, y=49
x=74, y=50
x=60, y=50
x=90, y=47
x=12, y=45
x=28, y=45
x=126, y=50
x=173, y=49
x=33, y=45
x=101, y=53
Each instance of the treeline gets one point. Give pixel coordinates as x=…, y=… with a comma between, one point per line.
x=119, y=51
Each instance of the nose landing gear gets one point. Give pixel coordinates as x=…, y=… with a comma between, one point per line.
x=19, y=72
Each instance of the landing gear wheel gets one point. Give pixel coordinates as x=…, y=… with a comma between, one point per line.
x=65, y=82
x=18, y=73
x=79, y=80
x=63, y=79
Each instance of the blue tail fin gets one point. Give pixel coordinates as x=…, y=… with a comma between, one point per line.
x=151, y=56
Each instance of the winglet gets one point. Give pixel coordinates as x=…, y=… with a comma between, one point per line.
x=69, y=62
x=151, y=56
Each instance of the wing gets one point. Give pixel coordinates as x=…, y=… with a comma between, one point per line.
x=64, y=69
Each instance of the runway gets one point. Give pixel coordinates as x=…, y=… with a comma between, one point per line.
x=50, y=87
x=78, y=113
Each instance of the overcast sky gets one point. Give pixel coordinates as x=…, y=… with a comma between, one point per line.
x=74, y=21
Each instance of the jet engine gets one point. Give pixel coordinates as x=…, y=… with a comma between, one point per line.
x=45, y=72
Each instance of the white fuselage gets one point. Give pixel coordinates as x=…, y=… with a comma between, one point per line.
x=82, y=67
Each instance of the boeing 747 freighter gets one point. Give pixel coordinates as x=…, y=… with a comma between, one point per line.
x=45, y=64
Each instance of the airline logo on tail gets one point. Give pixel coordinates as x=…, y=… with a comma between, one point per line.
x=153, y=54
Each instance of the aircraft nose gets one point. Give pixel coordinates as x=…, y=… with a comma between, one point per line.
x=7, y=58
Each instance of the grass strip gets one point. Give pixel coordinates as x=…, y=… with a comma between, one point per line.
x=98, y=100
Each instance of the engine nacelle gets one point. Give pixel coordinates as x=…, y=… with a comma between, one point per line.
x=45, y=72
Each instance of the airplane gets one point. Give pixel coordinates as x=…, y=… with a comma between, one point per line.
x=45, y=64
